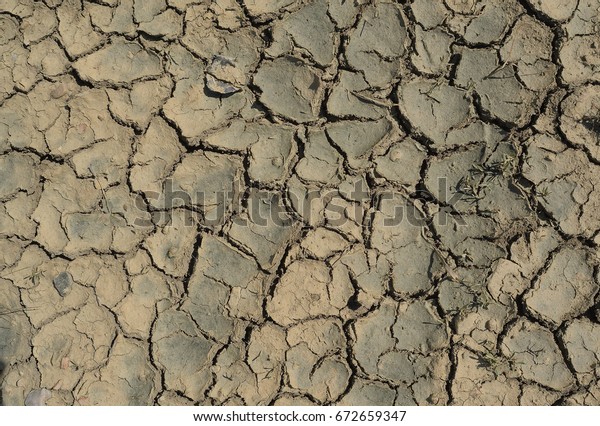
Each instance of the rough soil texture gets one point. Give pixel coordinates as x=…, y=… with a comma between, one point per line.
x=128, y=277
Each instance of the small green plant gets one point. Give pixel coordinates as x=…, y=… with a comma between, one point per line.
x=474, y=295
x=35, y=276
x=543, y=193
x=507, y=167
x=480, y=299
x=106, y=205
x=492, y=360
x=470, y=190
x=466, y=257
x=495, y=361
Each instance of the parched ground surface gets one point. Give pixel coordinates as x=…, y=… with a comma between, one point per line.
x=300, y=202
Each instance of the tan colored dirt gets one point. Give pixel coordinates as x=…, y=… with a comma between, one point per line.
x=299, y=202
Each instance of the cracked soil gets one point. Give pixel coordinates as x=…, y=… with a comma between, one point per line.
x=434, y=167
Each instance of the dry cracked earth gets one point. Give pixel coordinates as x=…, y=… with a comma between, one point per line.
x=294, y=202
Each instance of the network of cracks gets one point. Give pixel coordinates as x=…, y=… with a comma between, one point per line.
x=300, y=202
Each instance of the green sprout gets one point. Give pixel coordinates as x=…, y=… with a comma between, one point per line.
x=543, y=193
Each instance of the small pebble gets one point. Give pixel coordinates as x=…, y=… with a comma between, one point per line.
x=58, y=91
x=38, y=397
x=63, y=283
x=396, y=155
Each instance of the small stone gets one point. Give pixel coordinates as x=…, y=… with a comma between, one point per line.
x=396, y=155
x=63, y=283
x=37, y=397
x=58, y=91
